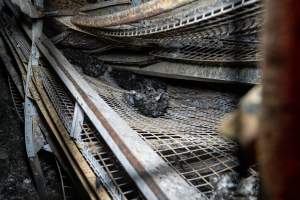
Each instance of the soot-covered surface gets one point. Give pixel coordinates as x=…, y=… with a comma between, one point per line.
x=15, y=177
x=149, y=96
x=186, y=135
x=89, y=64
x=16, y=181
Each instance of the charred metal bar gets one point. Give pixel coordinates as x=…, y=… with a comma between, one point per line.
x=30, y=116
x=77, y=121
x=30, y=112
x=279, y=141
x=145, y=10
x=184, y=71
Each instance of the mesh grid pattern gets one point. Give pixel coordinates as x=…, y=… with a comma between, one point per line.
x=186, y=136
x=17, y=99
x=93, y=148
x=225, y=53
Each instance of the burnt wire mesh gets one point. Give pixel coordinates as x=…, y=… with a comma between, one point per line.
x=186, y=136
x=214, y=52
x=93, y=148
x=17, y=99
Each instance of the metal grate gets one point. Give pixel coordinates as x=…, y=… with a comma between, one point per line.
x=192, y=19
x=96, y=152
x=186, y=136
x=17, y=99
x=224, y=52
x=120, y=181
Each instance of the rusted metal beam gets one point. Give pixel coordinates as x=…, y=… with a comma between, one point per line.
x=279, y=140
x=143, y=11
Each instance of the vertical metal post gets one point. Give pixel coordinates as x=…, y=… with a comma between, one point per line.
x=279, y=139
x=77, y=122
x=30, y=111
x=30, y=114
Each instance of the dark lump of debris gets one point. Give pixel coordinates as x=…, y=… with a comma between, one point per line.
x=90, y=65
x=231, y=187
x=151, y=103
x=149, y=96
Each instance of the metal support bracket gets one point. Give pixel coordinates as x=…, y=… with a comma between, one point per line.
x=77, y=122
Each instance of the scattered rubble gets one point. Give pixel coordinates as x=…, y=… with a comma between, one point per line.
x=230, y=187
x=149, y=96
x=151, y=103
x=89, y=64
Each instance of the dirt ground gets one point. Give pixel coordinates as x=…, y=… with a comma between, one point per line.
x=15, y=178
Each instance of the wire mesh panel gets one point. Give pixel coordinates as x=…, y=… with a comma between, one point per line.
x=105, y=165
x=105, y=159
x=17, y=99
x=186, y=136
x=225, y=53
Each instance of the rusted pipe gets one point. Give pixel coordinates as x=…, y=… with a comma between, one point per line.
x=143, y=11
x=279, y=139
